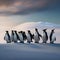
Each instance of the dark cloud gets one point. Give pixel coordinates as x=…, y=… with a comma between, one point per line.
x=6, y=2
x=12, y=7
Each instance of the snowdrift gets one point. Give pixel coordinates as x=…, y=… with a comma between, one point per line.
x=33, y=25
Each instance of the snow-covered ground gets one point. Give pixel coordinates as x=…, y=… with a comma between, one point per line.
x=31, y=51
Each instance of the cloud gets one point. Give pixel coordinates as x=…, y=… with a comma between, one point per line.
x=13, y=7
x=6, y=2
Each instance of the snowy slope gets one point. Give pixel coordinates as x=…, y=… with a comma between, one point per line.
x=39, y=25
x=20, y=51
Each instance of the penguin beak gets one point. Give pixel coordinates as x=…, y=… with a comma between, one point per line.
x=53, y=29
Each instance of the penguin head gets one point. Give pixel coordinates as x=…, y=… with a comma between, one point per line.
x=36, y=29
x=52, y=30
x=23, y=32
x=15, y=31
x=28, y=31
x=6, y=31
x=12, y=31
x=20, y=32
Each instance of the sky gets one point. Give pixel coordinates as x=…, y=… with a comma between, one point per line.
x=14, y=12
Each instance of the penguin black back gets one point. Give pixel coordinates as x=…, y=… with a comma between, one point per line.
x=12, y=32
x=16, y=35
x=38, y=32
x=8, y=35
x=24, y=35
x=46, y=34
x=30, y=35
x=51, y=34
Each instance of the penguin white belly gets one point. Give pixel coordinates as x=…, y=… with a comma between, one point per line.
x=28, y=38
x=15, y=37
x=20, y=37
x=12, y=37
x=53, y=38
x=36, y=37
x=6, y=38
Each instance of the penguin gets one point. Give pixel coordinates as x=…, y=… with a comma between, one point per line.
x=12, y=36
x=7, y=37
x=21, y=37
x=24, y=35
x=45, y=36
x=37, y=36
x=15, y=37
x=29, y=37
x=52, y=36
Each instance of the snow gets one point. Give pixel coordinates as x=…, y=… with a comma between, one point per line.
x=19, y=51
x=39, y=25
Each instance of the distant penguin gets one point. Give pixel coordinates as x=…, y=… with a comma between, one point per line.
x=12, y=36
x=15, y=36
x=37, y=36
x=7, y=37
x=45, y=36
x=52, y=36
x=29, y=37
x=20, y=37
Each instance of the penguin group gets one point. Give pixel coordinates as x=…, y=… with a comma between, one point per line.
x=21, y=36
